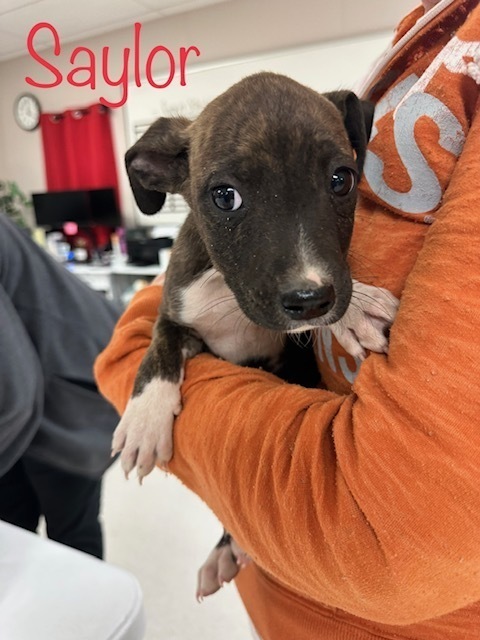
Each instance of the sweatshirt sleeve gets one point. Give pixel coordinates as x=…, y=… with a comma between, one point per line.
x=369, y=502
x=21, y=388
x=116, y=367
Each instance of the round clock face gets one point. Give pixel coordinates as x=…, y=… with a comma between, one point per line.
x=27, y=112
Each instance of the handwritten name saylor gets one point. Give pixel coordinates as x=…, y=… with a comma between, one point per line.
x=88, y=73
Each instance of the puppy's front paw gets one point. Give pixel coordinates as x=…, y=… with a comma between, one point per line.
x=367, y=320
x=145, y=432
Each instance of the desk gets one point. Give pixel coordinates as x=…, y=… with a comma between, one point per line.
x=115, y=280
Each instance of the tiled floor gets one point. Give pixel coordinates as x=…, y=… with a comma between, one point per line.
x=162, y=533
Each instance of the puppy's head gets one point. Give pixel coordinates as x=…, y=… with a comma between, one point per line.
x=270, y=171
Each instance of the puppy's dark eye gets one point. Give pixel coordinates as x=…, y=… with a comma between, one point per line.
x=226, y=198
x=343, y=181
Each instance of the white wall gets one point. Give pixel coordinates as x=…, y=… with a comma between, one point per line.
x=221, y=32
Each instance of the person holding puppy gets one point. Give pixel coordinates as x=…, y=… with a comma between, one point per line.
x=359, y=504
x=55, y=428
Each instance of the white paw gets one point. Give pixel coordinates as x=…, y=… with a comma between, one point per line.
x=144, y=435
x=365, y=324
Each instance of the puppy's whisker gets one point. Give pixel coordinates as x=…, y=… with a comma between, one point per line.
x=360, y=296
x=294, y=338
x=217, y=302
x=302, y=340
x=366, y=262
x=308, y=339
x=198, y=282
x=242, y=319
x=381, y=316
x=226, y=314
x=212, y=275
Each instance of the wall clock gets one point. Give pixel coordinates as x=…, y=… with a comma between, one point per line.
x=27, y=111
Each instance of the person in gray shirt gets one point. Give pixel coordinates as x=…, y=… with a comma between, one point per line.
x=55, y=427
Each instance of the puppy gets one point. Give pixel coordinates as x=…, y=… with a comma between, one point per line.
x=269, y=170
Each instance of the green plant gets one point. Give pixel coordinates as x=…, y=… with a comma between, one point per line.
x=15, y=204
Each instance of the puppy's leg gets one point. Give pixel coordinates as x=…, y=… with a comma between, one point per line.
x=145, y=432
x=222, y=565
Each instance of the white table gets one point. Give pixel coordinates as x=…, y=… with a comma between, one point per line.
x=114, y=280
x=52, y=592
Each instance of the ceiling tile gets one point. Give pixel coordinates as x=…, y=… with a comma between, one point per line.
x=190, y=5
x=9, y=43
x=81, y=16
x=13, y=5
x=167, y=7
x=77, y=21
x=80, y=20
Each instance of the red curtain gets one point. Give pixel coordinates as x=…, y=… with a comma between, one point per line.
x=78, y=149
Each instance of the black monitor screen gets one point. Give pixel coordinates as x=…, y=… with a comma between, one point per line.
x=85, y=207
x=104, y=208
x=57, y=207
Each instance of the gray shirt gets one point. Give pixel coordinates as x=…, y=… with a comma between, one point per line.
x=52, y=327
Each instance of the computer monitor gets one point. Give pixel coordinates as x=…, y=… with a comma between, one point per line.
x=54, y=208
x=103, y=207
x=86, y=207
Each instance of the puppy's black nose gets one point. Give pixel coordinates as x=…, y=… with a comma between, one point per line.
x=305, y=304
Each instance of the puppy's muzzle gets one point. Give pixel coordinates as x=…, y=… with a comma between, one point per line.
x=308, y=303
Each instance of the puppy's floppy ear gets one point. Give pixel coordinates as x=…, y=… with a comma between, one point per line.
x=358, y=119
x=157, y=163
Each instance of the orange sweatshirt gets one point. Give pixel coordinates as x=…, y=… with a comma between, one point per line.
x=360, y=505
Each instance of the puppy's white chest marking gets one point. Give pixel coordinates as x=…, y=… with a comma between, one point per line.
x=209, y=307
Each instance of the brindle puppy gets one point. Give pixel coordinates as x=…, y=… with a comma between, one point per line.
x=269, y=170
